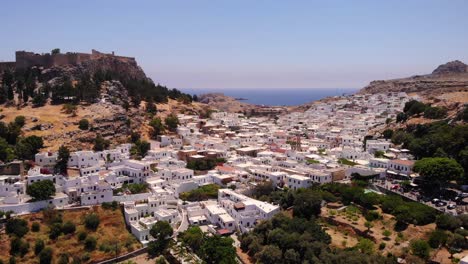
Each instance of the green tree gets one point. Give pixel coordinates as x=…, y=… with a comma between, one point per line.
x=435, y=112
x=16, y=226
x=41, y=190
x=35, y=227
x=414, y=107
x=6, y=151
x=18, y=246
x=161, y=232
x=448, y=222
x=68, y=228
x=100, y=143
x=368, y=225
x=90, y=243
x=291, y=256
x=307, y=203
x=62, y=160
x=420, y=248
x=38, y=246
x=193, y=237
x=140, y=149
x=151, y=107
x=92, y=221
x=437, y=238
x=401, y=117
x=55, y=230
x=27, y=148
x=217, y=249
x=45, y=257
x=439, y=171
x=365, y=246
x=55, y=51
x=270, y=254
x=157, y=128
x=171, y=122
x=387, y=134
x=20, y=120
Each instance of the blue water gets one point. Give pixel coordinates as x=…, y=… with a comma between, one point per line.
x=277, y=96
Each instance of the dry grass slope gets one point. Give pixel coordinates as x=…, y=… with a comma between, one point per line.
x=111, y=228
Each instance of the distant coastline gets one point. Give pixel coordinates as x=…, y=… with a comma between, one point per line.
x=275, y=97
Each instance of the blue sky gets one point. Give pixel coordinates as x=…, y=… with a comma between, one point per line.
x=249, y=43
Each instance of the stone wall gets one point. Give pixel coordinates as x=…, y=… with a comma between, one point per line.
x=10, y=65
x=12, y=168
x=25, y=59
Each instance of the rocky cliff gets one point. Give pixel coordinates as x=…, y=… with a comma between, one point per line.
x=449, y=77
x=222, y=102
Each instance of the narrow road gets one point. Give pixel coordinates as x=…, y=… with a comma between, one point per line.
x=184, y=222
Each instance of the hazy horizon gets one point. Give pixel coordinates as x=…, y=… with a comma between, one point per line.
x=243, y=44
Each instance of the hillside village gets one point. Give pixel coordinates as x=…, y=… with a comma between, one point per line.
x=84, y=133
x=233, y=154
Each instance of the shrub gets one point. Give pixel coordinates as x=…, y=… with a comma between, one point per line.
x=420, y=248
x=202, y=193
x=372, y=215
x=45, y=257
x=110, y=206
x=448, y=222
x=20, y=120
x=437, y=238
x=82, y=236
x=387, y=233
x=17, y=226
x=18, y=246
x=414, y=107
x=64, y=258
x=68, y=228
x=382, y=246
x=55, y=230
x=35, y=227
x=90, y=243
x=85, y=257
x=83, y=124
x=435, y=112
x=38, y=246
x=92, y=221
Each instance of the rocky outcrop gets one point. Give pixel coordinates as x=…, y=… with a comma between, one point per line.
x=452, y=67
x=225, y=103
x=449, y=77
x=123, y=69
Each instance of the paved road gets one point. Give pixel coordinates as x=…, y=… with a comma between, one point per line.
x=184, y=222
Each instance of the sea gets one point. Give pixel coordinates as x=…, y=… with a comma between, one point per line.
x=277, y=96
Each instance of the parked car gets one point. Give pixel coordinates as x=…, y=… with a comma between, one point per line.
x=451, y=206
x=435, y=200
x=443, y=203
x=440, y=204
x=426, y=199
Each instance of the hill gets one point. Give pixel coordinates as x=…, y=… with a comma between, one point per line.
x=448, y=78
x=53, y=92
x=225, y=103
x=110, y=236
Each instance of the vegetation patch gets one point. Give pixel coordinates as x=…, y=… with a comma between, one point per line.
x=60, y=236
x=205, y=192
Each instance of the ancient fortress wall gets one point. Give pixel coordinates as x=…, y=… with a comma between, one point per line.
x=10, y=65
x=26, y=59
